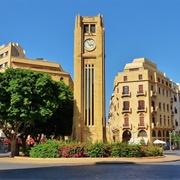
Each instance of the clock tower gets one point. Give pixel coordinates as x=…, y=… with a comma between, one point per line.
x=89, y=123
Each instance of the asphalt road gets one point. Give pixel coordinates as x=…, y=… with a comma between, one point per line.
x=110, y=171
x=98, y=171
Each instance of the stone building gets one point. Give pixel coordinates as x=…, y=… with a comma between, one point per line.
x=144, y=104
x=13, y=56
x=89, y=122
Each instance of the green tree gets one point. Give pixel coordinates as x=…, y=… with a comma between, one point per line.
x=26, y=97
x=176, y=138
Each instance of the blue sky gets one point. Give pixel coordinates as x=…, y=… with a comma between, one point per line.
x=133, y=29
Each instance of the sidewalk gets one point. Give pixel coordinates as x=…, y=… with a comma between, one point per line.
x=75, y=161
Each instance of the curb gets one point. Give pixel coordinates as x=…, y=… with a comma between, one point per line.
x=83, y=161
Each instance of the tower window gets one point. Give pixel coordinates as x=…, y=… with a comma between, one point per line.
x=86, y=28
x=92, y=28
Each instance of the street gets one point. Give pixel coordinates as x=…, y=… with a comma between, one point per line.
x=98, y=171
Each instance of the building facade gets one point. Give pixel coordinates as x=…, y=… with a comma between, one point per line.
x=89, y=122
x=144, y=104
x=13, y=56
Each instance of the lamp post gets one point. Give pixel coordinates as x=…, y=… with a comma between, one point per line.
x=170, y=140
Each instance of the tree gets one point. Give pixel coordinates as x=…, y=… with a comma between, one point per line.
x=26, y=97
x=175, y=138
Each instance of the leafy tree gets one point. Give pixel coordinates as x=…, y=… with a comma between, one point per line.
x=26, y=97
x=176, y=138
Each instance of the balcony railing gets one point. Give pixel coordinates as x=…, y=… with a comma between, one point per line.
x=127, y=126
x=126, y=94
x=126, y=110
x=153, y=93
x=141, y=93
x=142, y=109
x=142, y=126
x=154, y=109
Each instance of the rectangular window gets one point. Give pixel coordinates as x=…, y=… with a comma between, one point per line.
x=140, y=88
x=159, y=105
x=125, y=89
x=125, y=78
x=141, y=104
x=140, y=76
x=164, y=106
x=142, y=121
x=86, y=28
x=159, y=90
x=125, y=105
x=92, y=28
x=126, y=121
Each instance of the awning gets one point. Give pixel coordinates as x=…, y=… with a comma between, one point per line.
x=157, y=141
x=6, y=141
x=138, y=140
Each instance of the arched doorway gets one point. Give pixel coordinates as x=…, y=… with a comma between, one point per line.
x=126, y=136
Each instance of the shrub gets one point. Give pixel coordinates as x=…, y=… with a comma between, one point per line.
x=53, y=149
x=151, y=150
x=49, y=149
x=72, y=150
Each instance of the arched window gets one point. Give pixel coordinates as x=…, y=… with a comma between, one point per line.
x=153, y=133
x=141, y=119
x=167, y=133
x=126, y=120
x=159, y=133
x=142, y=133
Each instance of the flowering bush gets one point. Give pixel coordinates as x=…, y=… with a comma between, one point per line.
x=53, y=149
x=72, y=150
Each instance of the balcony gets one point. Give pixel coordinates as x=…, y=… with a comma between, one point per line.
x=142, y=109
x=126, y=110
x=154, y=109
x=126, y=94
x=143, y=126
x=153, y=93
x=127, y=126
x=153, y=125
x=141, y=93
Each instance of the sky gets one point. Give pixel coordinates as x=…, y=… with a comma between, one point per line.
x=133, y=29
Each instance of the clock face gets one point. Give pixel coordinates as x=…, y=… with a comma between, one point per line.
x=89, y=44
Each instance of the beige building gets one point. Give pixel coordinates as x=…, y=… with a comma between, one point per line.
x=142, y=105
x=13, y=56
x=89, y=79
